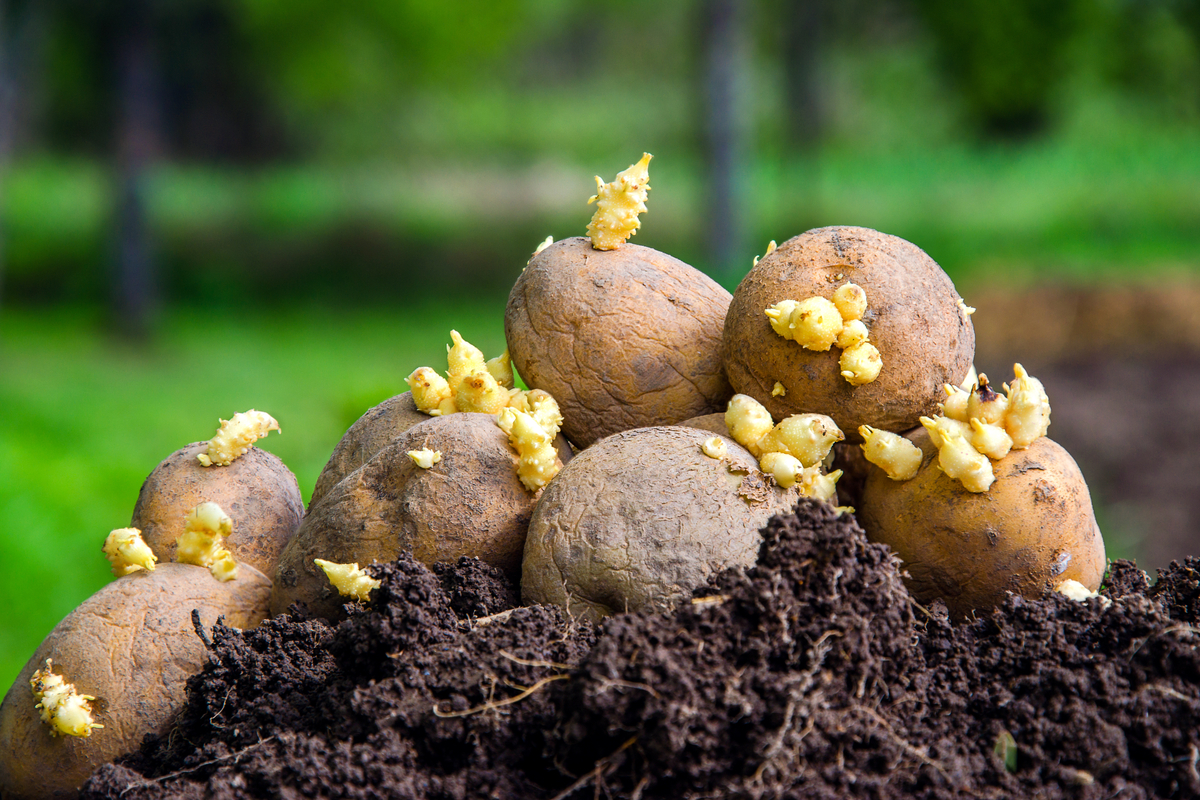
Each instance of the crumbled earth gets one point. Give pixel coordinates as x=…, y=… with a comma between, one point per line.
x=810, y=675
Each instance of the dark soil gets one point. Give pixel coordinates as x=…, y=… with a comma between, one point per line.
x=811, y=675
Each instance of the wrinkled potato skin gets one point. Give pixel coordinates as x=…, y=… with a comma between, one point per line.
x=623, y=338
x=257, y=491
x=132, y=646
x=642, y=517
x=713, y=423
x=366, y=437
x=470, y=503
x=912, y=316
x=971, y=549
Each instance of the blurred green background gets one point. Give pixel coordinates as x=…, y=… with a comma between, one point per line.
x=213, y=205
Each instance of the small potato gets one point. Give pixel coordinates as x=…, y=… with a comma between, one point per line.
x=622, y=338
x=366, y=437
x=132, y=646
x=913, y=318
x=257, y=491
x=1031, y=530
x=469, y=503
x=642, y=517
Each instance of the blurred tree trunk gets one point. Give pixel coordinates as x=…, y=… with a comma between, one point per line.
x=135, y=291
x=724, y=71
x=802, y=28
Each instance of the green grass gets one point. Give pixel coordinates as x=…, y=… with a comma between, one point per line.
x=84, y=418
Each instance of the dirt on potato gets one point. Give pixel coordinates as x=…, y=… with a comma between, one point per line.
x=812, y=674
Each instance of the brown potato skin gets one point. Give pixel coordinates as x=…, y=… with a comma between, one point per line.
x=132, y=646
x=470, y=503
x=257, y=491
x=366, y=437
x=623, y=338
x=972, y=549
x=713, y=423
x=913, y=317
x=642, y=517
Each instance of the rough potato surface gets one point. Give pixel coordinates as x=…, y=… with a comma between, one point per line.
x=643, y=516
x=257, y=491
x=470, y=503
x=366, y=437
x=133, y=647
x=622, y=338
x=1031, y=530
x=913, y=318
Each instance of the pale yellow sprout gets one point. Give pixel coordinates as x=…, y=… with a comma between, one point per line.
x=479, y=392
x=860, y=363
x=968, y=383
x=202, y=541
x=748, y=421
x=713, y=447
x=348, y=579
x=958, y=459
x=425, y=458
x=618, y=205
x=771, y=247
x=964, y=308
x=991, y=440
x=537, y=458
x=778, y=390
x=955, y=406
x=898, y=457
x=462, y=359
x=549, y=240
x=819, y=485
x=851, y=301
x=500, y=368
x=60, y=706
x=814, y=323
x=808, y=437
x=941, y=426
x=128, y=552
x=853, y=332
x=1028, y=414
x=785, y=469
x=1080, y=593
x=431, y=392
x=985, y=405
x=542, y=406
x=236, y=436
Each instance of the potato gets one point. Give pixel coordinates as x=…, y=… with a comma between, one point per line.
x=622, y=338
x=257, y=491
x=470, y=503
x=913, y=318
x=713, y=423
x=366, y=437
x=642, y=517
x=1031, y=530
x=132, y=646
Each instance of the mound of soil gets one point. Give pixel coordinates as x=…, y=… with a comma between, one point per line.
x=812, y=674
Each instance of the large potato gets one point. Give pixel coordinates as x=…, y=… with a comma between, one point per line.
x=470, y=503
x=1032, y=530
x=642, y=517
x=132, y=646
x=257, y=491
x=623, y=338
x=913, y=318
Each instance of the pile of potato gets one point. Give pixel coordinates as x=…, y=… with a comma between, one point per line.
x=666, y=421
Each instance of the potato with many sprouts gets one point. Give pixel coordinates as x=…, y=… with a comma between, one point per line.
x=642, y=517
x=112, y=671
x=256, y=489
x=919, y=337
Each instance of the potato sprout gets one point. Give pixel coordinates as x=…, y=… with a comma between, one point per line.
x=425, y=458
x=1028, y=414
x=1080, y=593
x=714, y=447
x=128, y=552
x=817, y=324
x=471, y=384
x=792, y=452
x=897, y=456
x=771, y=248
x=538, y=459
x=65, y=711
x=236, y=436
x=618, y=205
x=348, y=579
x=202, y=542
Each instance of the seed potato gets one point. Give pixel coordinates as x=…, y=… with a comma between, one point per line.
x=622, y=338
x=132, y=646
x=468, y=503
x=913, y=318
x=1031, y=530
x=641, y=518
x=257, y=491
